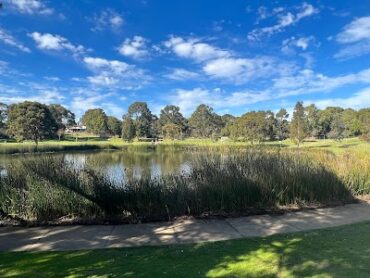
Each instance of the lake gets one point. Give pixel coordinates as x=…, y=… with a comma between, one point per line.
x=121, y=165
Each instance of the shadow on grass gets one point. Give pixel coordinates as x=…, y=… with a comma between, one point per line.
x=339, y=252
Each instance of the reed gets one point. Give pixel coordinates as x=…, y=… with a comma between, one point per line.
x=220, y=183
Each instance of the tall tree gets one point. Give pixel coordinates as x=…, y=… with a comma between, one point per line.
x=337, y=127
x=128, y=129
x=282, y=124
x=298, y=126
x=62, y=116
x=3, y=119
x=204, y=122
x=326, y=117
x=95, y=121
x=227, y=122
x=114, y=126
x=350, y=119
x=364, y=118
x=171, y=114
x=141, y=117
x=313, y=120
x=31, y=121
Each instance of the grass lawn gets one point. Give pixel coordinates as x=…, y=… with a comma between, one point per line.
x=90, y=143
x=336, y=252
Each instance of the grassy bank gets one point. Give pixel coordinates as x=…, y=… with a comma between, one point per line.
x=351, y=144
x=243, y=182
x=336, y=252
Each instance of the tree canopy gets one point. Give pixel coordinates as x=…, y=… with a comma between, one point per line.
x=95, y=121
x=30, y=121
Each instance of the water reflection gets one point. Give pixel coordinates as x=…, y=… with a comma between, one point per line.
x=123, y=165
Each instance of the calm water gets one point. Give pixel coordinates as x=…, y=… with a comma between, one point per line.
x=120, y=165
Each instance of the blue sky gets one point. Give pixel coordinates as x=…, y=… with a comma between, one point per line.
x=235, y=56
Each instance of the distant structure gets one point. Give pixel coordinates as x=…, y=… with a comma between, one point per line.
x=76, y=129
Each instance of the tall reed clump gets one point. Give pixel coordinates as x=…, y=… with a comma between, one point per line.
x=46, y=188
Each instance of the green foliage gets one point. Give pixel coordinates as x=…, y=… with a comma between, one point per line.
x=62, y=116
x=128, y=129
x=171, y=114
x=298, y=127
x=282, y=124
x=254, y=126
x=326, y=118
x=204, y=122
x=364, y=119
x=141, y=117
x=3, y=118
x=31, y=121
x=95, y=121
x=114, y=126
x=171, y=131
x=313, y=120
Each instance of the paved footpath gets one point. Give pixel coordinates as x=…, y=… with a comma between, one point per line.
x=179, y=232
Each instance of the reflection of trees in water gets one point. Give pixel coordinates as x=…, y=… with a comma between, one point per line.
x=140, y=163
x=125, y=165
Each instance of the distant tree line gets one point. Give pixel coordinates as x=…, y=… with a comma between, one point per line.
x=36, y=121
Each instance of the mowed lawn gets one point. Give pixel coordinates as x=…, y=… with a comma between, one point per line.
x=336, y=252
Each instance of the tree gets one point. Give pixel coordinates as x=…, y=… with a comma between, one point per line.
x=364, y=119
x=326, y=118
x=337, y=128
x=128, y=129
x=114, y=126
x=227, y=122
x=95, y=121
x=282, y=124
x=171, y=114
x=298, y=126
x=155, y=127
x=141, y=117
x=3, y=119
x=62, y=116
x=171, y=131
x=204, y=122
x=31, y=121
x=253, y=126
x=313, y=120
x=352, y=124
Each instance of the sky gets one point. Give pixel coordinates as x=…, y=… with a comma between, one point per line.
x=235, y=56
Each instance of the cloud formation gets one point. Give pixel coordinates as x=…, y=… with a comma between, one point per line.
x=8, y=39
x=285, y=19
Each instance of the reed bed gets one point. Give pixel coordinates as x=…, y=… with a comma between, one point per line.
x=46, y=188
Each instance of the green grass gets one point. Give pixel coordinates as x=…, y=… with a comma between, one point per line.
x=336, y=252
x=94, y=143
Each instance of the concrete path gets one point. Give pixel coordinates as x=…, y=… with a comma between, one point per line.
x=179, y=232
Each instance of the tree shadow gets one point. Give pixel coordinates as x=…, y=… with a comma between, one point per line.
x=339, y=252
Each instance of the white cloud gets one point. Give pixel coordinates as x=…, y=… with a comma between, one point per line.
x=194, y=49
x=358, y=100
x=135, y=48
x=307, y=81
x=223, y=64
x=284, y=20
x=188, y=100
x=8, y=39
x=357, y=30
x=302, y=43
x=55, y=42
x=182, y=74
x=29, y=6
x=52, y=78
x=107, y=19
x=114, y=73
x=356, y=38
x=243, y=70
x=44, y=96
